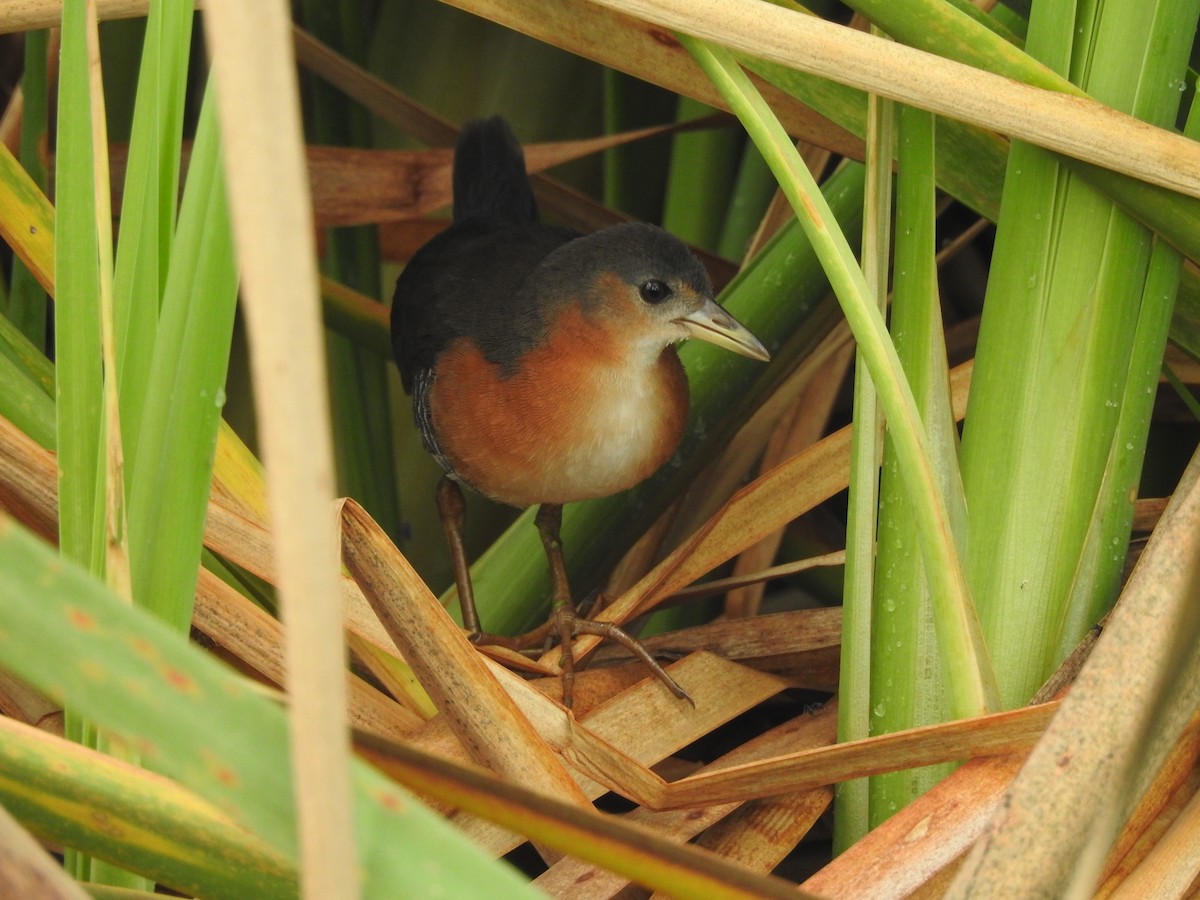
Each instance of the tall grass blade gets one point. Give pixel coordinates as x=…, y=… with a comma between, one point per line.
x=851, y=800
x=934, y=26
x=79, y=374
x=24, y=403
x=184, y=391
x=908, y=682
x=1095, y=585
x=148, y=206
x=116, y=538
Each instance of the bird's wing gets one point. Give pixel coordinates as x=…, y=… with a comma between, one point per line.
x=466, y=283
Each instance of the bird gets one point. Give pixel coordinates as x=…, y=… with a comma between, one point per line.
x=541, y=363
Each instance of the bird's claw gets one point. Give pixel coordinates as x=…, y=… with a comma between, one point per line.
x=568, y=625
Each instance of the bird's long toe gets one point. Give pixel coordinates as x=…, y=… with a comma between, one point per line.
x=569, y=625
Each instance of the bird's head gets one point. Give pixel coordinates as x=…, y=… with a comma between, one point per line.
x=647, y=283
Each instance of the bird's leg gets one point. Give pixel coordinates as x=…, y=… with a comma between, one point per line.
x=568, y=624
x=562, y=608
x=452, y=510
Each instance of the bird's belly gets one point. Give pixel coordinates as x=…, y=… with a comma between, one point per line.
x=573, y=436
x=619, y=443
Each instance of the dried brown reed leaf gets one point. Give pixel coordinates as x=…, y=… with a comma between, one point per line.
x=399, y=241
x=353, y=186
x=801, y=645
x=256, y=639
x=1147, y=512
x=1170, y=792
x=1171, y=866
x=762, y=833
x=921, y=846
x=922, y=839
x=349, y=186
x=576, y=878
x=644, y=721
x=28, y=481
x=11, y=120
x=458, y=679
x=26, y=16
x=783, y=570
x=22, y=703
x=246, y=542
x=720, y=688
x=357, y=187
x=990, y=735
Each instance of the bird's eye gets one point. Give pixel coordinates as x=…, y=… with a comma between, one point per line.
x=654, y=291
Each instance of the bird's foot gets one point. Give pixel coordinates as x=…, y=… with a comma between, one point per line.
x=567, y=624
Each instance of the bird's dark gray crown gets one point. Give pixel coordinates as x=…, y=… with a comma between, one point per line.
x=634, y=252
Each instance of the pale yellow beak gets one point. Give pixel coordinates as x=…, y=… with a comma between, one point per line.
x=713, y=324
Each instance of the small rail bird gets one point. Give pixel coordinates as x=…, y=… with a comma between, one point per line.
x=541, y=362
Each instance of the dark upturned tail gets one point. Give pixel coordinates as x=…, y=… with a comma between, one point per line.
x=489, y=175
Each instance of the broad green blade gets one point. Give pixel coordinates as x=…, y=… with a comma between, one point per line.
x=1052, y=367
x=143, y=682
x=131, y=818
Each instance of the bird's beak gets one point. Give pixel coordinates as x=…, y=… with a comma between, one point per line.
x=711, y=323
